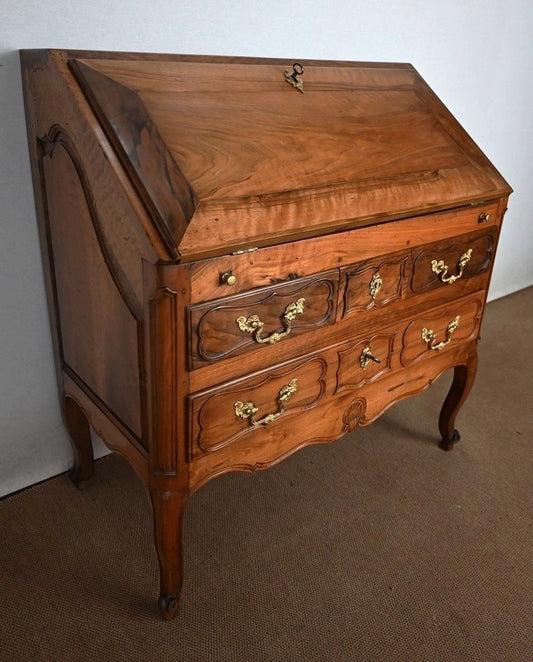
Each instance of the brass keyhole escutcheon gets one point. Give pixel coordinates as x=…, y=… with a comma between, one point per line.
x=375, y=285
x=366, y=357
x=294, y=77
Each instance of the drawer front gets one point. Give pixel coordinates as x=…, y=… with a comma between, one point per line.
x=442, y=264
x=223, y=414
x=220, y=440
x=264, y=266
x=254, y=421
x=442, y=328
x=375, y=283
x=364, y=361
x=253, y=321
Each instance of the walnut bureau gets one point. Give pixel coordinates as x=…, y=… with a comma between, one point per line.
x=245, y=256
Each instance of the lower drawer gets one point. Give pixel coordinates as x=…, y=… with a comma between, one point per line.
x=250, y=411
x=222, y=415
x=442, y=328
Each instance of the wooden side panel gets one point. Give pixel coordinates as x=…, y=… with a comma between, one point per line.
x=143, y=153
x=98, y=329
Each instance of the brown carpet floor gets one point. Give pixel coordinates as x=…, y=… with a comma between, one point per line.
x=378, y=547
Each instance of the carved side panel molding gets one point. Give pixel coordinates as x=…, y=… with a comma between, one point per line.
x=164, y=341
x=98, y=315
x=58, y=138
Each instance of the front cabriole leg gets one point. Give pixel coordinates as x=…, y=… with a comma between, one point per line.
x=463, y=378
x=169, y=509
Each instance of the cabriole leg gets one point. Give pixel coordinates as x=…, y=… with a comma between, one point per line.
x=463, y=378
x=80, y=436
x=169, y=509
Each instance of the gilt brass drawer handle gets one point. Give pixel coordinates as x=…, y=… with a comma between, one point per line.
x=246, y=410
x=366, y=357
x=253, y=324
x=428, y=335
x=441, y=269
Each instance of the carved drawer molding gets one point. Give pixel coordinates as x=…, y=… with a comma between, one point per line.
x=217, y=328
x=364, y=361
x=212, y=414
x=375, y=283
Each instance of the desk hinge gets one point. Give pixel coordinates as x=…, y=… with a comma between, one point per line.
x=246, y=250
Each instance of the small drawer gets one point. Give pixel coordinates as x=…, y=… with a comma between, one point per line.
x=442, y=328
x=221, y=415
x=443, y=263
x=375, y=283
x=254, y=320
x=364, y=361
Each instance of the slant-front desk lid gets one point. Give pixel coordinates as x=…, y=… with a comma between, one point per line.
x=235, y=153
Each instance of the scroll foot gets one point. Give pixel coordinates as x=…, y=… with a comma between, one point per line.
x=169, y=606
x=448, y=444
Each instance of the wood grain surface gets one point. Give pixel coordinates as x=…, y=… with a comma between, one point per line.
x=302, y=258
x=261, y=164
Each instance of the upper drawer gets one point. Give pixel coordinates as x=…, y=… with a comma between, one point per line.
x=238, y=324
x=443, y=263
x=375, y=283
x=300, y=259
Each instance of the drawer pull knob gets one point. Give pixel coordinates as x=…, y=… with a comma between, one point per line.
x=253, y=324
x=246, y=410
x=483, y=218
x=366, y=357
x=375, y=285
x=441, y=269
x=428, y=335
x=227, y=278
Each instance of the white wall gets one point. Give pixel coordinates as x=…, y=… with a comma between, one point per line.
x=477, y=56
